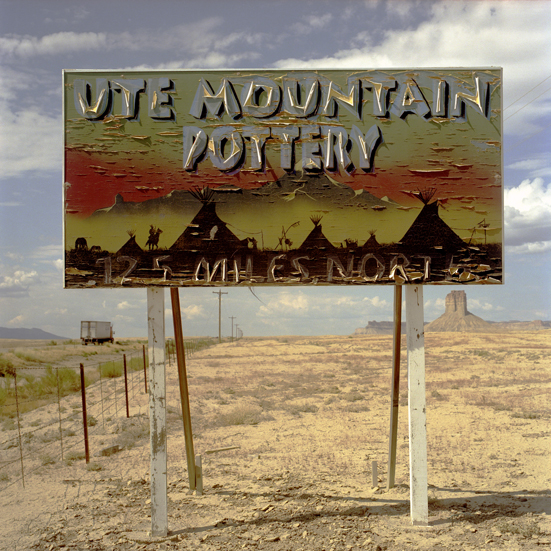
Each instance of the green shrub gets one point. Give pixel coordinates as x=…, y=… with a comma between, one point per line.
x=4, y=393
x=94, y=466
x=111, y=370
x=47, y=459
x=242, y=415
x=73, y=456
x=69, y=381
x=29, y=358
x=303, y=407
x=6, y=366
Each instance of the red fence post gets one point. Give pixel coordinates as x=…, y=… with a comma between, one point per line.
x=144, y=369
x=84, y=416
x=126, y=385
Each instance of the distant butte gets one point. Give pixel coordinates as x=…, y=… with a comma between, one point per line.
x=457, y=318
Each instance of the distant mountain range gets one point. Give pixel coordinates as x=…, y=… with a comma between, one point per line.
x=29, y=334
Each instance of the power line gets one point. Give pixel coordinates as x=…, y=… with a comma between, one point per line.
x=523, y=95
x=526, y=104
x=528, y=137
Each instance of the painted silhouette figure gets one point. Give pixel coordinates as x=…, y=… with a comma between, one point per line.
x=153, y=241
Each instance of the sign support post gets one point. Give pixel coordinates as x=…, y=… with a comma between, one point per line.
x=395, y=387
x=157, y=410
x=418, y=478
x=182, y=378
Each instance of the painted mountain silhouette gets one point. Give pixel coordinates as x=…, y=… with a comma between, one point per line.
x=315, y=189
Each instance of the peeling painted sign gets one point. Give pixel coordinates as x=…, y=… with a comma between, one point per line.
x=282, y=177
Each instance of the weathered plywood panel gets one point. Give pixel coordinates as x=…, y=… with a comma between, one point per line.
x=283, y=177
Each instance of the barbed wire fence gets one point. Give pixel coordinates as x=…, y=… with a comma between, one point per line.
x=71, y=413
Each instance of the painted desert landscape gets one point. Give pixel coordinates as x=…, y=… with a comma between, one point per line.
x=307, y=417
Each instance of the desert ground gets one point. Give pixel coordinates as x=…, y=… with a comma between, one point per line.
x=308, y=416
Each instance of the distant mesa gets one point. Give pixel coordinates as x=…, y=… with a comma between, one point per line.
x=456, y=319
x=378, y=328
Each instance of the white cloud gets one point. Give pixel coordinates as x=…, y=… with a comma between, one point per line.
x=204, y=38
x=193, y=311
x=286, y=303
x=17, y=321
x=514, y=35
x=528, y=217
x=476, y=304
x=13, y=45
x=536, y=167
x=17, y=285
x=56, y=312
x=30, y=141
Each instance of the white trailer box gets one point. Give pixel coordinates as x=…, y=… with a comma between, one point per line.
x=96, y=332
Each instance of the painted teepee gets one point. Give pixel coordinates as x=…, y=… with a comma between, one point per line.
x=429, y=231
x=130, y=248
x=371, y=244
x=316, y=240
x=206, y=232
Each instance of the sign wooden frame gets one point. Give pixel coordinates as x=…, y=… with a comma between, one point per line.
x=281, y=177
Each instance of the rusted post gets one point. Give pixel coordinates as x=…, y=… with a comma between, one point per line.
x=126, y=386
x=395, y=387
x=157, y=410
x=144, y=368
x=182, y=377
x=84, y=416
x=418, y=476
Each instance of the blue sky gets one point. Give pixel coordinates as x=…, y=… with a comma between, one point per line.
x=38, y=39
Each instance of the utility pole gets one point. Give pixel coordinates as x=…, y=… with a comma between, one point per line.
x=232, y=318
x=219, y=293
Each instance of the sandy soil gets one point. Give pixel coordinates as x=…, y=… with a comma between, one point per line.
x=309, y=416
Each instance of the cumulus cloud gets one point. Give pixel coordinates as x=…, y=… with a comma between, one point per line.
x=528, y=217
x=477, y=305
x=286, y=303
x=193, y=311
x=461, y=34
x=200, y=37
x=30, y=141
x=17, y=321
x=17, y=285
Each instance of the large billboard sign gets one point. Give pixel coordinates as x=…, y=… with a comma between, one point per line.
x=282, y=177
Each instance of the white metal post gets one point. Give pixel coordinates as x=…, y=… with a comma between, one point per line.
x=157, y=410
x=418, y=479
